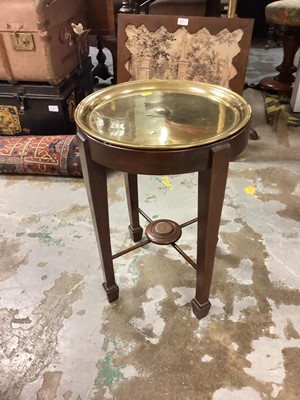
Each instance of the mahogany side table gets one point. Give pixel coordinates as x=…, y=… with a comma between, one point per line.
x=161, y=127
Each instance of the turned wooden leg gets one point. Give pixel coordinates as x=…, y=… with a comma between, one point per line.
x=211, y=190
x=283, y=82
x=131, y=184
x=126, y=7
x=95, y=180
x=101, y=69
x=290, y=44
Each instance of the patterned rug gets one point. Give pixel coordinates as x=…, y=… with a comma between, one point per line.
x=44, y=155
x=274, y=108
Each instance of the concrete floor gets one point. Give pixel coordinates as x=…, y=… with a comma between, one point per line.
x=61, y=339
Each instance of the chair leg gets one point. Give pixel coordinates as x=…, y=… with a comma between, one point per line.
x=283, y=82
x=110, y=42
x=101, y=70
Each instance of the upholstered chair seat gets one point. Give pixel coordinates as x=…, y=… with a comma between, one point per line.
x=283, y=12
x=286, y=14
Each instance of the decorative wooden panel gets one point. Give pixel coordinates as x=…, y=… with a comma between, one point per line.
x=204, y=49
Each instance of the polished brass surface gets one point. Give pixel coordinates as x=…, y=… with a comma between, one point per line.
x=162, y=114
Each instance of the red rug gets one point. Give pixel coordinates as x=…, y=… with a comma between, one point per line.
x=44, y=155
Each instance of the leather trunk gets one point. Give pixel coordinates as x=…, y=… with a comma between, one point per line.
x=38, y=108
x=38, y=41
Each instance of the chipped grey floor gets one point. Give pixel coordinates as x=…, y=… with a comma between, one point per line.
x=61, y=339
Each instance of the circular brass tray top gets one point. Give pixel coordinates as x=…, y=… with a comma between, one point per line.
x=162, y=114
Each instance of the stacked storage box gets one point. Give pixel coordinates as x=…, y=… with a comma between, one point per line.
x=45, y=70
